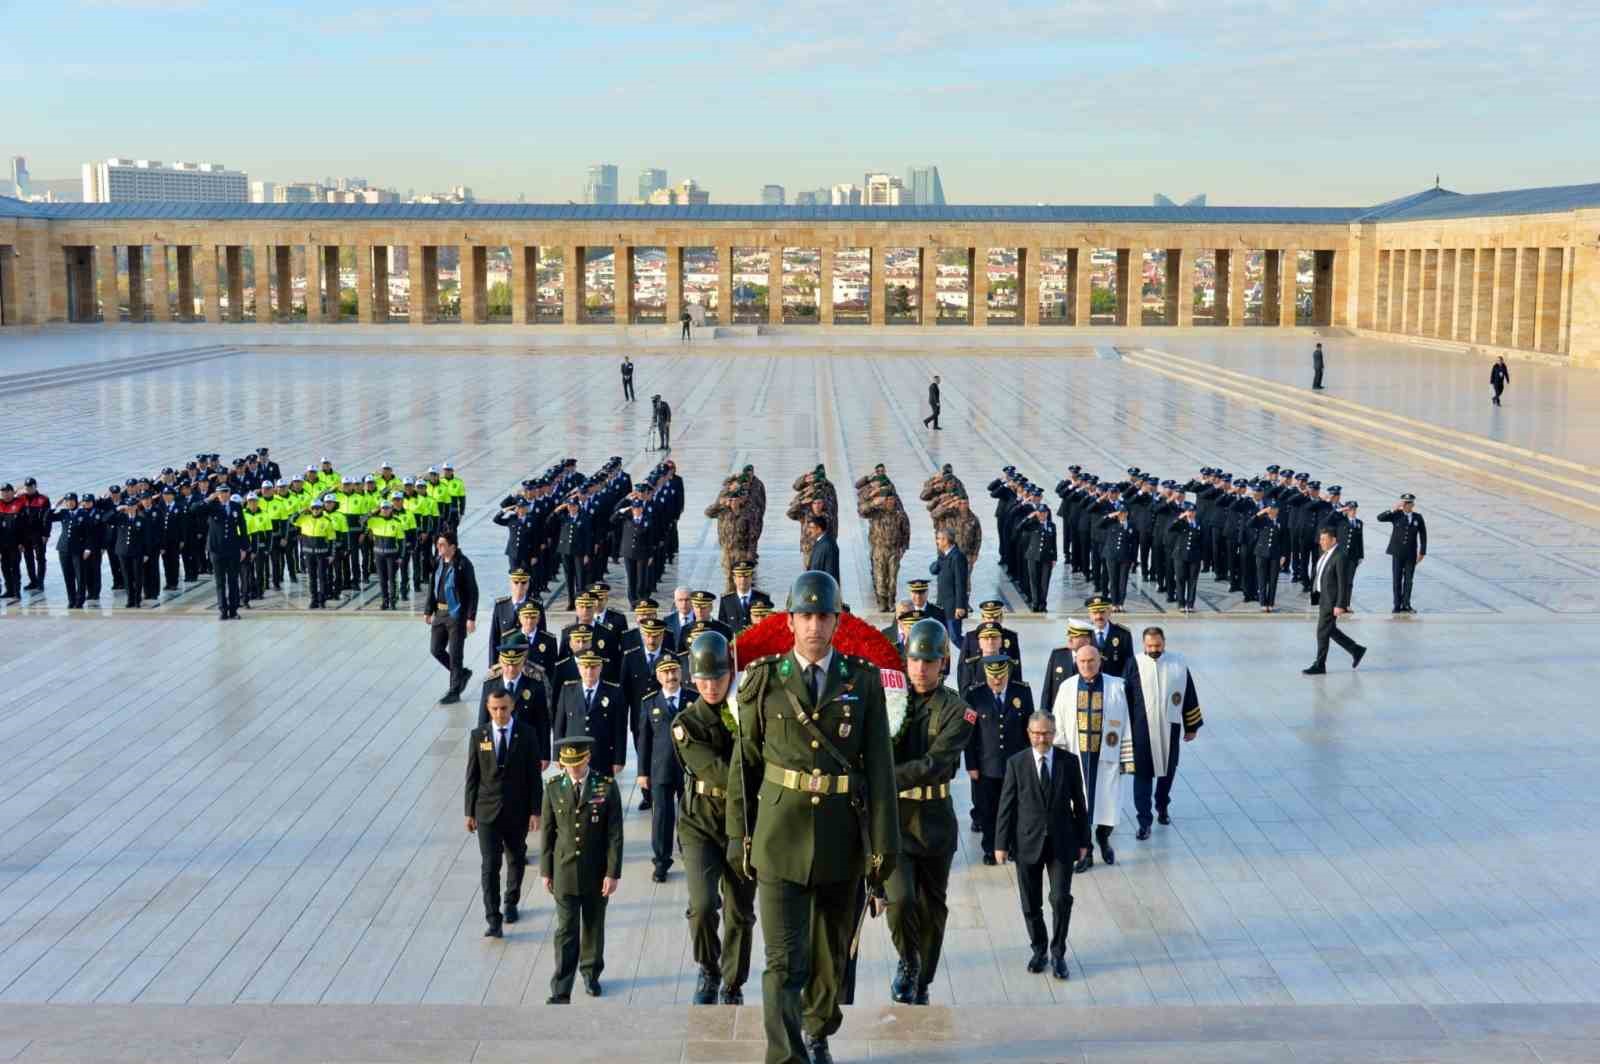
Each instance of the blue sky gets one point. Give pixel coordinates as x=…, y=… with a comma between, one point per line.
x=1086, y=101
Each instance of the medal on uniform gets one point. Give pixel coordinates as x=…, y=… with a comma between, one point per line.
x=604, y=700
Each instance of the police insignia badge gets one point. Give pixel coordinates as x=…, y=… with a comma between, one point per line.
x=1176, y=698
x=1016, y=703
x=677, y=732
x=601, y=643
x=1115, y=640
x=526, y=694
x=1059, y=670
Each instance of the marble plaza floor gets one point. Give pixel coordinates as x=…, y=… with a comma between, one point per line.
x=244, y=841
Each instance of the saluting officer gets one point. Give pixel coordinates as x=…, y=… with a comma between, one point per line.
x=1408, y=544
x=928, y=744
x=580, y=858
x=703, y=736
x=814, y=742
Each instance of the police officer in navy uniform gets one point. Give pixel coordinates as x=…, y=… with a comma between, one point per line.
x=1270, y=554
x=1353, y=541
x=1113, y=640
x=1408, y=544
x=640, y=680
x=659, y=769
x=225, y=542
x=1003, y=703
x=596, y=708
x=1188, y=550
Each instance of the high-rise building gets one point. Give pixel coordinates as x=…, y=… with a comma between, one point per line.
x=298, y=192
x=119, y=180
x=846, y=195
x=686, y=194
x=19, y=176
x=261, y=191
x=650, y=179
x=772, y=195
x=884, y=190
x=600, y=186
x=807, y=197
x=924, y=187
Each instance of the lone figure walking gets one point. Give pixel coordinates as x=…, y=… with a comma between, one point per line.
x=1499, y=377
x=627, y=379
x=1316, y=369
x=933, y=404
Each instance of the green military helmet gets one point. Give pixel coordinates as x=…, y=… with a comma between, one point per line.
x=814, y=592
x=708, y=656
x=928, y=641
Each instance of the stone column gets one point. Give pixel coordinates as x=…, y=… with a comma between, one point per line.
x=9, y=288
x=572, y=285
x=380, y=284
x=474, y=262
x=136, y=300
x=1564, y=322
x=1223, y=296
x=1583, y=305
x=185, y=253
x=364, y=284
x=1338, y=299
x=1288, y=285
x=1180, y=276
x=877, y=296
x=775, y=285
x=1524, y=304
x=825, y=256
x=1081, y=282
x=1028, y=260
x=415, y=315
x=622, y=284
x=978, y=286
x=725, y=284
x=1547, y=319
x=283, y=281
x=1445, y=314
x=674, y=306
x=1130, y=286
x=330, y=283
x=262, y=256
x=1475, y=302
x=1427, y=313
x=1171, y=282
x=520, y=276
x=160, y=284
x=430, y=283
x=206, y=285
x=105, y=276
x=314, y=289
x=928, y=286
x=233, y=262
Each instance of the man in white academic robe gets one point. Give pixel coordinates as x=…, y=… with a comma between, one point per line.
x=1171, y=707
x=1092, y=713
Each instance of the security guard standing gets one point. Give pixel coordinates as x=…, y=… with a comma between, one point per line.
x=580, y=858
x=814, y=745
x=703, y=736
x=927, y=752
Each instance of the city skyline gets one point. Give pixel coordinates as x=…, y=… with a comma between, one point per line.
x=1313, y=106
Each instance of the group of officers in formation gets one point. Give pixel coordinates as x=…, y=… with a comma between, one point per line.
x=855, y=811
x=244, y=524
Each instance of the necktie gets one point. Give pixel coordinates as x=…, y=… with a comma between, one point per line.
x=1000, y=702
x=744, y=603
x=813, y=675
x=500, y=750
x=1044, y=773
x=588, y=701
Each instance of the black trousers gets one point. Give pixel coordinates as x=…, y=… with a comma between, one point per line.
x=1039, y=583
x=1316, y=377
x=627, y=389
x=1056, y=862
x=191, y=563
x=445, y=641
x=719, y=897
x=638, y=573
x=1143, y=784
x=685, y=334
x=319, y=573
x=572, y=569
x=116, y=570
x=11, y=570
x=226, y=568
x=1328, y=628
x=933, y=417
x=918, y=894
x=89, y=575
x=506, y=838
x=1402, y=570
x=68, y=560
x=663, y=821
x=132, y=579
x=1188, y=582
x=152, y=575
x=1247, y=567
x=986, y=802
x=666, y=435
x=388, y=565
x=169, y=566
x=803, y=923
x=1498, y=388
x=1267, y=580
x=1119, y=581
x=33, y=554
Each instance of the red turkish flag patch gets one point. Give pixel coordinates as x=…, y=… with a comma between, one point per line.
x=971, y=715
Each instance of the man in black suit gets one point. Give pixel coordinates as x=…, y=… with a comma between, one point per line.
x=639, y=681
x=452, y=611
x=825, y=549
x=1044, y=823
x=1331, y=595
x=225, y=542
x=1408, y=544
x=954, y=583
x=933, y=404
x=504, y=794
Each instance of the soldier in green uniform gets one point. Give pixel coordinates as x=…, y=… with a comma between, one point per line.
x=927, y=753
x=814, y=758
x=580, y=858
x=703, y=735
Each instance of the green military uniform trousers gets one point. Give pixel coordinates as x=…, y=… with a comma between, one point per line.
x=807, y=929
x=918, y=891
x=590, y=957
x=713, y=886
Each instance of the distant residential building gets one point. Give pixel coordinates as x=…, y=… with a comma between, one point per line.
x=298, y=192
x=362, y=195
x=119, y=180
x=19, y=176
x=846, y=195
x=806, y=198
x=884, y=190
x=924, y=187
x=685, y=194
x=600, y=186
x=772, y=195
x=455, y=194
x=55, y=190
x=650, y=179
x=261, y=191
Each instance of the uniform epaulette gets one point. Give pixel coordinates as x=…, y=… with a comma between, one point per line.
x=635, y=650
x=569, y=683
x=769, y=659
x=502, y=598
x=1020, y=680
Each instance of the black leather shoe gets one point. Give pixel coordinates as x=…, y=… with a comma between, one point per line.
x=466, y=678
x=493, y=931
x=1315, y=670
x=1036, y=963
x=591, y=987
x=1142, y=834
x=1107, y=854
x=450, y=698
x=645, y=804
x=1355, y=659
x=817, y=1049
x=705, y=989
x=558, y=999
x=1163, y=818
x=659, y=875
x=988, y=859
x=922, y=996
x=511, y=914
x=900, y=987
x=1084, y=864
x=731, y=995
x=1058, y=968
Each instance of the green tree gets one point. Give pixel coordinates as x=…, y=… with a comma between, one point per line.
x=900, y=300
x=499, y=300
x=1102, y=301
